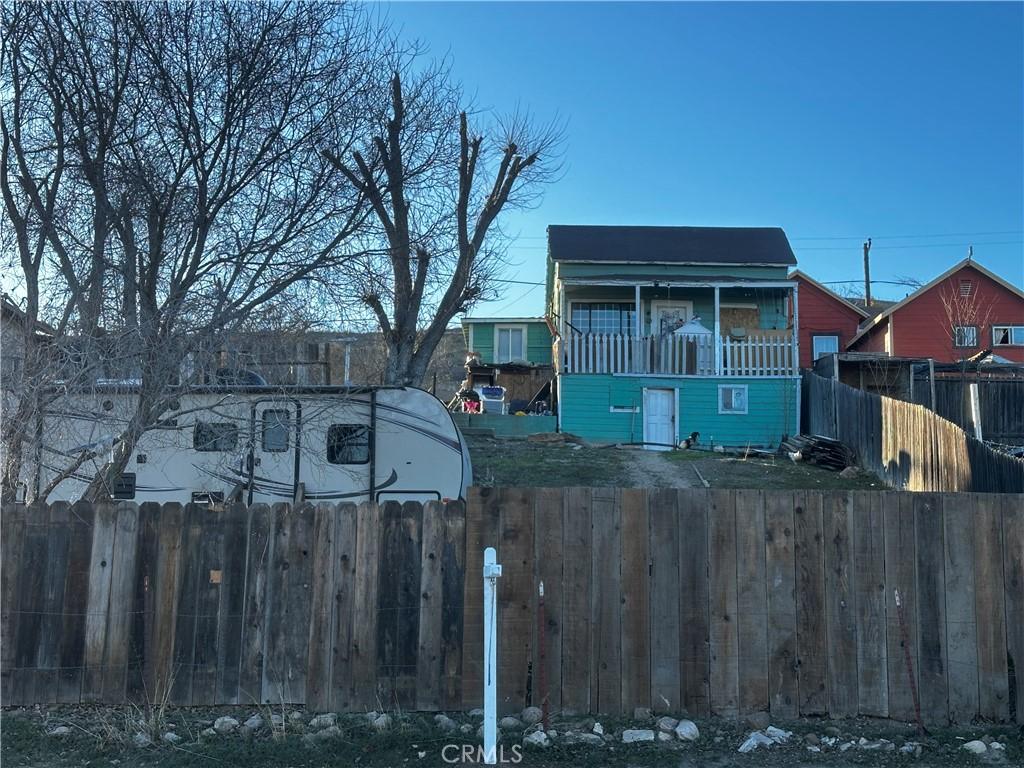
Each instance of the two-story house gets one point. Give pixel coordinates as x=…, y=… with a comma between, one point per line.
x=666, y=331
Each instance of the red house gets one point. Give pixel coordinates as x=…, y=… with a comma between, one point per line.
x=827, y=321
x=965, y=310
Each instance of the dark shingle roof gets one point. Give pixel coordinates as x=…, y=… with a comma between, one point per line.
x=670, y=245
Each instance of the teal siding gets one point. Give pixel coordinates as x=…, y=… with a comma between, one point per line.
x=506, y=425
x=585, y=402
x=538, y=341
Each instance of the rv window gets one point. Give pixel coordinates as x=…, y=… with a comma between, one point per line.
x=348, y=444
x=215, y=436
x=124, y=486
x=275, y=431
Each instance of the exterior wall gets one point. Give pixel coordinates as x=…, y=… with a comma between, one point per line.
x=586, y=399
x=822, y=314
x=506, y=425
x=922, y=327
x=538, y=341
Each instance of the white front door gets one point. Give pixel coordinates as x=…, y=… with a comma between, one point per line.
x=666, y=315
x=660, y=419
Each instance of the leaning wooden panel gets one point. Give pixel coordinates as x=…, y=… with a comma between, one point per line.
x=548, y=533
x=48, y=652
x=321, y=624
x=10, y=573
x=722, y=575
x=343, y=599
x=516, y=598
x=183, y=657
x=577, y=649
x=990, y=608
x=431, y=609
x=453, y=578
x=636, y=588
x=664, y=534
x=694, y=600
x=840, y=616
x=76, y=595
x=751, y=602
x=781, y=588
x=900, y=574
x=961, y=624
x=869, y=592
x=98, y=605
x=809, y=552
x=931, y=608
x=1013, y=573
x=605, y=676
x=389, y=571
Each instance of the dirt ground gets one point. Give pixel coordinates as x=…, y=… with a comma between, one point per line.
x=103, y=738
x=524, y=463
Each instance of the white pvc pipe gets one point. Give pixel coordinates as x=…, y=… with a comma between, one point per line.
x=491, y=573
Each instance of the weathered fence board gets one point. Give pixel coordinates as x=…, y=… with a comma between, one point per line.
x=723, y=601
x=907, y=445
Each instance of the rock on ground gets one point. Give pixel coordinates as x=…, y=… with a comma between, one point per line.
x=635, y=735
x=323, y=721
x=531, y=715
x=445, y=723
x=758, y=721
x=225, y=724
x=60, y=731
x=295, y=716
x=141, y=740
x=255, y=722
x=537, y=739
x=510, y=724
x=598, y=729
x=777, y=735
x=382, y=723
x=754, y=740
x=976, y=747
x=171, y=738
x=667, y=724
x=686, y=730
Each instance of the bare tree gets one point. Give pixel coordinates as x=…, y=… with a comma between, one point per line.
x=437, y=189
x=184, y=158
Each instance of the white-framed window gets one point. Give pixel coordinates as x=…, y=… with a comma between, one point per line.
x=732, y=398
x=965, y=335
x=602, y=317
x=1007, y=335
x=823, y=345
x=510, y=343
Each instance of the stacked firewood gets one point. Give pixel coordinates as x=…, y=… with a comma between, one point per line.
x=819, y=450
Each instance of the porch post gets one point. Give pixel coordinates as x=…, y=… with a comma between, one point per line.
x=718, y=333
x=796, y=335
x=638, y=327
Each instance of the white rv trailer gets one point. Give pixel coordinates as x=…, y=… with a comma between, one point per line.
x=266, y=444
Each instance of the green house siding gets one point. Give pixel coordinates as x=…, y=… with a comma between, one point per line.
x=671, y=271
x=587, y=400
x=538, y=341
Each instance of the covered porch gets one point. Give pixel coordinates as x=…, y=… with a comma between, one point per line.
x=676, y=327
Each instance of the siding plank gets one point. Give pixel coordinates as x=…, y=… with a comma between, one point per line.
x=605, y=678
x=961, y=629
x=345, y=539
x=900, y=574
x=931, y=607
x=810, y=581
x=990, y=608
x=781, y=586
x=254, y=620
x=453, y=577
x=577, y=653
x=1013, y=573
x=751, y=602
x=431, y=610
x=840, y=619
x=516, y=598
x=695, y=600
x=548, y=519
x=724, y=640
x=869, y=580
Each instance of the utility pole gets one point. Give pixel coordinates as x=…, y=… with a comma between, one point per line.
x=867, y=273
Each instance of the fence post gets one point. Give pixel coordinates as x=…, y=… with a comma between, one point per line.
x=491, y=573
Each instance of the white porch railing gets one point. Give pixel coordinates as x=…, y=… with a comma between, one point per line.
x=768, y=354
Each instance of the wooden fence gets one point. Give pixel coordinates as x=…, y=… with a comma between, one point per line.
x=1000, y=406
x=905, y=444
x=724, y=602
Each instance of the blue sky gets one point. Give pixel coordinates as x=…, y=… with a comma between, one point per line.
x=837, y=121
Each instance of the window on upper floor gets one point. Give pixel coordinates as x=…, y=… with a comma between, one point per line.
x=1007, y=335
x=965, y=335
x=824, y=345
x=602, y=317
x=510, y=346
